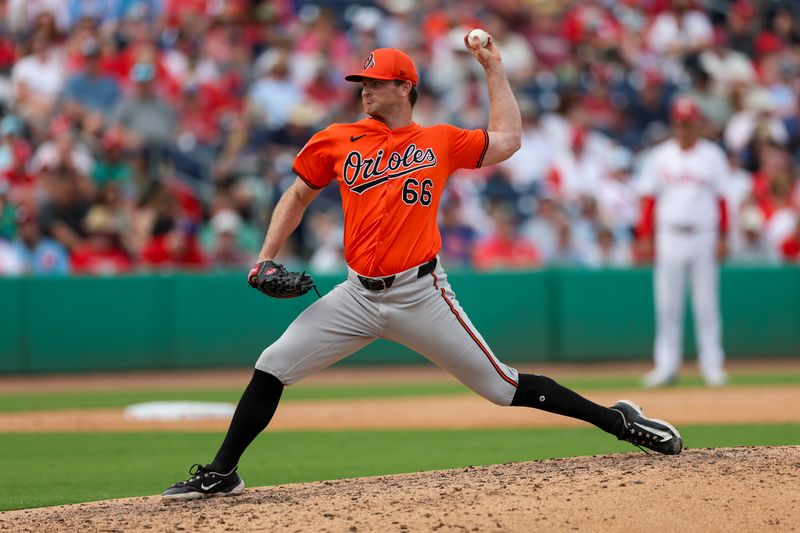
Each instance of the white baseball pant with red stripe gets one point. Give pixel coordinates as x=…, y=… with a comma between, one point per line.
x=420, y=313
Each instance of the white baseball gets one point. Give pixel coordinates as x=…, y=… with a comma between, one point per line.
x=483, y=37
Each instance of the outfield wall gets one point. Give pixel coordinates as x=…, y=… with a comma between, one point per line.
x=182, y=321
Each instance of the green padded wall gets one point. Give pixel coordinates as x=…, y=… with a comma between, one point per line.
x=185, y=321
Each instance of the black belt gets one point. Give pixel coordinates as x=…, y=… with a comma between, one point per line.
x=379, y=284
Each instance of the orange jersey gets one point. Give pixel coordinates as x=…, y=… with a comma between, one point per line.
x=391, y=182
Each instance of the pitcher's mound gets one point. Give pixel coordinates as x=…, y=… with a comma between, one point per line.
x=732, y=489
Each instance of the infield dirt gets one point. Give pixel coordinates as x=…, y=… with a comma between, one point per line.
x=733, y=489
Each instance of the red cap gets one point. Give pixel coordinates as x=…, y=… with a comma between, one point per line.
x=387, y=64
x=742, y=9
x=113, y=139
x=684, y=108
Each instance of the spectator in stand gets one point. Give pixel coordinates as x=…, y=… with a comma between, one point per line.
x=503, y=249
x=577, y=170
x=738, y=190
x=458, y=238
x=749, y=245
x=527, y=168
x=328, y=243
x=145, y=10
x=567, y=252
x=757, y=121
x=274, y=95
x=197, y=121
x=40, y=255
x=551, y=46
x=62, y=149
x=741, y=27
x=715, y=108
x=15, y=152
x=7, y=213
x=617, y=199
x=26, y=14
x=90, y=91
x=649, y=110
x=774, y=185
x=776, y=191
x=173, y=246
x=584, y=223
x=541, y=230
x=678, y=32
x=781, y=29
x=102, y=252
x=10, y=263
x=144, y=116
x=607, y=252
x=726, y=66
x=790, y=247
x=778, y=73
x=101, y=11
x=37, y=80
x=225, y=250
x=590, y=25
x=112, y=166
x=62, y=216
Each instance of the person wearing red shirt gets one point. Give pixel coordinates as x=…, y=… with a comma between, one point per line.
x=173, y=246
x=790, y=248
x=504, y=249
x=101, y=253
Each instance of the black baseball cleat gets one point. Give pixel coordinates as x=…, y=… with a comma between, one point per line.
x=204, y=483
x=651, y=433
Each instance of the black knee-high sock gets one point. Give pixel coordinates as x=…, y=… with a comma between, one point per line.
x=255, y=410
x=544, y=393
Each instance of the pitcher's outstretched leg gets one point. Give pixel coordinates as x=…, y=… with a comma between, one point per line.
x=624, y=419
x=253, y=413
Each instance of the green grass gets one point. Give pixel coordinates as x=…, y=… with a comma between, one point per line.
x=122, y=398
x=51, y=469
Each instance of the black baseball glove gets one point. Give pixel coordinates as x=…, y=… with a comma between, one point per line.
x=273, y=280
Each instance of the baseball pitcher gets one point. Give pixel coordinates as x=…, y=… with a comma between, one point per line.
x=391, y=173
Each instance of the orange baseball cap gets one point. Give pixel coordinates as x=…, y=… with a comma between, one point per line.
x=387, y=64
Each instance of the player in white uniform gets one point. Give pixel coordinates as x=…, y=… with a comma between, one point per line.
x=682, y=183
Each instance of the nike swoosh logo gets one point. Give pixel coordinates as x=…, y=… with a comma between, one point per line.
x=354, y=139
x=210, y=486
x=665, y=436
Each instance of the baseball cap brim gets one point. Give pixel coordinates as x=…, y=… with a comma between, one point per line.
x=362, y=77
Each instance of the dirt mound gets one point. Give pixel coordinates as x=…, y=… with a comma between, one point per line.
x=744, y=489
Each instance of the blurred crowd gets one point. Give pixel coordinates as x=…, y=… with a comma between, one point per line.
x=142, y=135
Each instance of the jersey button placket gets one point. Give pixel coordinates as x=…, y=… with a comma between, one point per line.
x=380, y=252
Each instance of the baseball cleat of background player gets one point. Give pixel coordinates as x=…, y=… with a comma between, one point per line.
x=658, y=378
x=204, y=483
x=651, y=433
